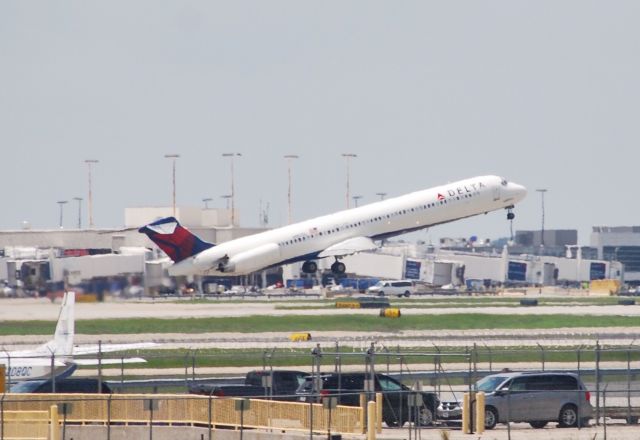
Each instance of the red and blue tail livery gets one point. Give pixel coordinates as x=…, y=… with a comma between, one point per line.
x=176, y=241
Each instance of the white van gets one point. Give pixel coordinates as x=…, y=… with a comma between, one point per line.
x=391, y=287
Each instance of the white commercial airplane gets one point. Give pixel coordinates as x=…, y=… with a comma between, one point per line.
x=58, y=354
x=336, y=235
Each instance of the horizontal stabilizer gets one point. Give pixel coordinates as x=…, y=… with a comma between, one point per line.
x=349, y=247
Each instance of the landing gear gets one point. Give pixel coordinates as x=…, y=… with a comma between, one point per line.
x=309, y=267
x=510, y=217
x=338, y=268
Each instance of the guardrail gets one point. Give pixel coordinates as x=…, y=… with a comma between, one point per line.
x=192, y=410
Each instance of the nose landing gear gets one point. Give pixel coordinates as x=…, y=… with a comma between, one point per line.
x=510, y=216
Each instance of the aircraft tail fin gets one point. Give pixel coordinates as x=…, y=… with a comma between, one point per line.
x=175, y=240
x=62, y=342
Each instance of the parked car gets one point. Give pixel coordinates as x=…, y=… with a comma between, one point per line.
x=284, y=384
x=389, y=287
x=533, y=397
x=63, y=386
x=347, y=387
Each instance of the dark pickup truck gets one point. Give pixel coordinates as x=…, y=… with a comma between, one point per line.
x=284, y=384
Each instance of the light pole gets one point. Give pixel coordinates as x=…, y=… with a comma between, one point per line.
x=61, y=203
x=355, y=200
x=382, y=195
x=348, y=157
x=206, y=202
x=542, y=191
x=89, y=163
x=79, y=200
x=173, y=158
x=289, y=158
x=233, y=192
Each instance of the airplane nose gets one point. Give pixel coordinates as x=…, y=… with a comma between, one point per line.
x=519, y=191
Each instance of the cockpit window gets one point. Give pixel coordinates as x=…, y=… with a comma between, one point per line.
x=503, y=181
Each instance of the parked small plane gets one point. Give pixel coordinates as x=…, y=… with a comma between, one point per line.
x=336, y=235
x=58, y=354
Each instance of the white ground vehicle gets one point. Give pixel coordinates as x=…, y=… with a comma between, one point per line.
x=390, y=287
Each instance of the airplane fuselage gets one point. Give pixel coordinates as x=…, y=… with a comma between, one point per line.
x=306, y=240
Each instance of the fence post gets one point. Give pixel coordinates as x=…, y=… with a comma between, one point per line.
x=210, y=416
x=628, y=385
x=2, y=416
x=379, y=412
x=121, y=370
x=109, y=417
x=99, y=366
x=597, y=382
x=604, y=406
x=53, y=374
x=542, y=357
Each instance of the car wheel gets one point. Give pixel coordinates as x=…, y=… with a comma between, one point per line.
x=538, y=424
x=381, y=293
x=406, y=294
x=490, y=417
x=392, y=422
x=568, y=417
x=425, y=418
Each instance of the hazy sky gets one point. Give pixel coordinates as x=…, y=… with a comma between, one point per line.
x=545, y=93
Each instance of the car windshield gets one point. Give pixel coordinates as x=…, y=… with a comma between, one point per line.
x=490, y=383
x=378, y=284
x=28, y=386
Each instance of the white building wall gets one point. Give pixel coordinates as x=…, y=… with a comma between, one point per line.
x=367, y=264
x=84, y=268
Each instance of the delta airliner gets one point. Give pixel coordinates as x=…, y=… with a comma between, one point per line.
x=336, y=235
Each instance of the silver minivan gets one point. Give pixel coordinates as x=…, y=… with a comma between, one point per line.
x=536, y=398
x=390, y=287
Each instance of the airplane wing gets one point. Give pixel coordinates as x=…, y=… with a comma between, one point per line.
x=110, y=361
x=349, y=247
x=80, y=350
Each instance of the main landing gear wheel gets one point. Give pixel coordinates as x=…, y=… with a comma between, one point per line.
x=309, y=267
x=338, y=268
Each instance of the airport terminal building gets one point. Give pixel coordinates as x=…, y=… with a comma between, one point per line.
x=67, y=257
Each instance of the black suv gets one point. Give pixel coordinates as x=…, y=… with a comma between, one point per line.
x=63, y=386
x=347, y=387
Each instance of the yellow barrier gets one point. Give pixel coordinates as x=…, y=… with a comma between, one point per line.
x=480, y=412
x=390, y=312
x=466, y=413
x=473, y=412
x=86, y=298
x=193, y=409
x=612, y=287
x=347, y=305
x=26, y=425
x=298, y=337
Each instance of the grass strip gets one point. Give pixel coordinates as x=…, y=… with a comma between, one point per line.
x=292, y=323
x=299, y=357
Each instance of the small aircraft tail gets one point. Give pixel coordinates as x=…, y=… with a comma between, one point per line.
x=176, y=241
x=62, y=342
